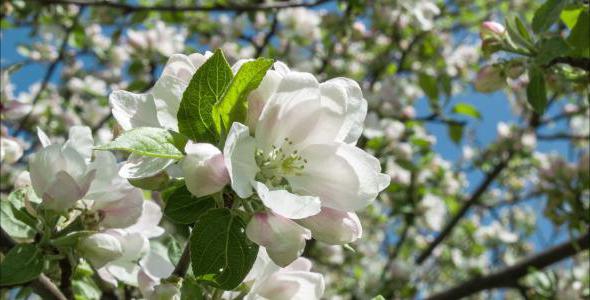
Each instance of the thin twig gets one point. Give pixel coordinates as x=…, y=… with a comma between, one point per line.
x=509, y=276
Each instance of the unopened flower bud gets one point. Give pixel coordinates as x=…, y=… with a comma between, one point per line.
x=100, y=249
x=204, y=169
x=490, y=79
x=492, y=36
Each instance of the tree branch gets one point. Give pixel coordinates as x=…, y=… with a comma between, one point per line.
x=578, y=62
x=40, y=285
x=128, y=8
x=483, y=186
x=182, y=265
x=509, y=276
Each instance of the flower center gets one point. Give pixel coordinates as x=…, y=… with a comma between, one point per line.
x=279, y=162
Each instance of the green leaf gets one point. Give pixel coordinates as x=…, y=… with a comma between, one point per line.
x=569, y=15
x=518, y=41
x=551, y=48
x=536, y=93
x=190, y=289
x=578, y=37
x=466, y=109
x=456, y=132
x=221, y=254
x=207, y=87
x=234, y=106
x=71, y=239
x=23, y=263
x=522, y=30
x=184, y=208
x=547, y=14
x=14, y=218
x=149, y=141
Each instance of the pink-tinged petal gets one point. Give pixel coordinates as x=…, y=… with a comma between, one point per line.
x=287, y=204
x=283, y=239
x=179, y=66
x=123, y=212
x=300, y=264
x=333, y=166
x=146, y=283
x=147, y=225
x=204, y=169
x=258, y=97
x=296, y=285
x=333, y=226
x=239, y=159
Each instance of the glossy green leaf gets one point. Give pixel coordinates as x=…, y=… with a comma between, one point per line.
x=579, y=38
x=207, y=87
x=234, y=105
x=149, y=141
x=182, y=207
x=536, y=93
x=190, y=289
x=221, y=254
x=23, y=263
x=551, y=48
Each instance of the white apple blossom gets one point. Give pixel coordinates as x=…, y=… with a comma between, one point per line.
x=295, y=281
x=10, y=150
x=434, y=211
x=302, y=153
x=166, y=40
x=60, y=174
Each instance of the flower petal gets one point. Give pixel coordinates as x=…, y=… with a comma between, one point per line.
x=288, y=204
x=133, y=110
x=333, y=166
x=204, y=169
x=292, y=112
x=167, y=94
x=283, y=239
x=80, y=139
x=123, y=212
x=147, y=224
x=333, y=226
x=346, y=96
x=239, y=159
x=293, y=285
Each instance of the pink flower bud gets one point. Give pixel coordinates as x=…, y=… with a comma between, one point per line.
x=491, y=29
x=204, y=169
